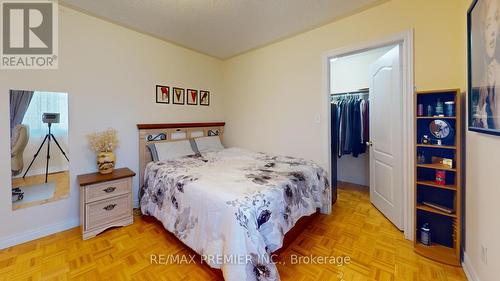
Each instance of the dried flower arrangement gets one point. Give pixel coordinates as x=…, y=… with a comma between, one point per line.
x=103, y=144
x=106, y=141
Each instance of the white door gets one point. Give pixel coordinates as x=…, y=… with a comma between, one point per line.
x=386, y=115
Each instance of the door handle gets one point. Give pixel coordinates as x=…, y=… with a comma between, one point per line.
x=110, y=207
x=369, y=143
x=109, y=189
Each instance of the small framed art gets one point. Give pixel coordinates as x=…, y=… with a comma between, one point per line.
x=192, y=97
x=178, y=96
x=162, y=94
x=204, y=98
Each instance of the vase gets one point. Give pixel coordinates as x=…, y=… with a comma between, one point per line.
x=106, y=162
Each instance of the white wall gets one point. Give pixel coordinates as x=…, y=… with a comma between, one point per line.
x=110, y=73
x=347, y=74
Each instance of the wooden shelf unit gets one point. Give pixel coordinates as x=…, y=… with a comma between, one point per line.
x=435, y=211
x=436, y=117
x=435, y=185
x=437, y=146
x=445, y=227
x=437, y=252
x=436, y=167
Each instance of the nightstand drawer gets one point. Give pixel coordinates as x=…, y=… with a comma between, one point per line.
x=106, y=211
x=107, y=190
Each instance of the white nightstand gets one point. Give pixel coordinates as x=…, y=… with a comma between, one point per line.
x=105, y=201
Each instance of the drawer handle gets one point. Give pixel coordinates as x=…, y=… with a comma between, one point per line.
x=109, y=189
x=110, y=207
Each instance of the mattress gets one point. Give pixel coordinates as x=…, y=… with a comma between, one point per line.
x=233, y=207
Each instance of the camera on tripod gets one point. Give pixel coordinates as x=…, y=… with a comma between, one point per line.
x=51, y=118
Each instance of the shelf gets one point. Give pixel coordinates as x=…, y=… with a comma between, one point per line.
x=441, y=91
x=435, y=211
x=433, y=184
x=446, y=226
x=437, y=146
x=438, y=253
x=437, y=167
x=436, y=117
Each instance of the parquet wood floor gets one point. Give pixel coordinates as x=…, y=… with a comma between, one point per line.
x=356, y=229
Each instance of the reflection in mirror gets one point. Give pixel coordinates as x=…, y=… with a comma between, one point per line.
x=39, y=147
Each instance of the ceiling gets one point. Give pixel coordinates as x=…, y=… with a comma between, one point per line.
x=221, y=28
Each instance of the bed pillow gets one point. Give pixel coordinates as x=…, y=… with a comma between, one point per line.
x=162, y=151
x=208, y=144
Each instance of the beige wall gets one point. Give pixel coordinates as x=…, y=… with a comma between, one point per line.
x=274, y=96
x=483, y=193
x=110, y=73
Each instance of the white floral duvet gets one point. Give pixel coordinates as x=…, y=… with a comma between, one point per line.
x=233, y=207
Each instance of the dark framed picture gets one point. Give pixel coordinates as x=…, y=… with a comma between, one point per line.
x=204, y=98
x=192, y=96
x=162, y=94
x=178, y=96
x=483, y=46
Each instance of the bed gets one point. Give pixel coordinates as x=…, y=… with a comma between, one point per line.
x=233, y=207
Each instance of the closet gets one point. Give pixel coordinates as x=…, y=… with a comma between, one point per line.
x=366, y=125
x=350, y=127
x=349, y=80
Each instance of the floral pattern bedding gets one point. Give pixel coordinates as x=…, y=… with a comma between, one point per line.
x=233, y=207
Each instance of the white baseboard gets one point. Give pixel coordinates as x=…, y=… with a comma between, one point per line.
x=468, y=269
x=19, y=238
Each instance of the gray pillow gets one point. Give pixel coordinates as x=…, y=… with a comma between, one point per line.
x=194, y=146
x=154, y=153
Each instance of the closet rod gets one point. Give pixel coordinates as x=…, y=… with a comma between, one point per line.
x=360, y=91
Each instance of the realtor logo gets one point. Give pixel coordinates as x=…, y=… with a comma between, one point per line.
x=29, y=35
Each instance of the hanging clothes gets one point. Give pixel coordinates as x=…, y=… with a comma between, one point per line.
x=365, y=123
x=348, y=128
x=334, y=137
x=356, y=129
x=351, y=124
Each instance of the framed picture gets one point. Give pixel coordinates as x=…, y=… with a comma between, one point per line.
x=204, y=98
x=178, y=96
x=483, y=46
x=162, y=94
x=192, y=97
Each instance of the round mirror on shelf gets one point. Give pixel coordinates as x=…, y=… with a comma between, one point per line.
x=441, y=129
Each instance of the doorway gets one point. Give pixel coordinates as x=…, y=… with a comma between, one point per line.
x=379, y=74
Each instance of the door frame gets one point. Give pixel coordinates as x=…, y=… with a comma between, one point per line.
x=405, y=40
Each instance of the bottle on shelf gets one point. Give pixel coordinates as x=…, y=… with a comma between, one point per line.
x=425, y=234
x=420, y=110
x=450, y=108
x=421, y=158
x=430, y=110
x=439, y=108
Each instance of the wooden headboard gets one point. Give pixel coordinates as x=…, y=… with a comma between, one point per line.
x=154, y=133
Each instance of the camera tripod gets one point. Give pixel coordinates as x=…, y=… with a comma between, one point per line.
x=48, y=137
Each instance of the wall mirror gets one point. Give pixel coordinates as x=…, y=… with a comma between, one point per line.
x=39, y=147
